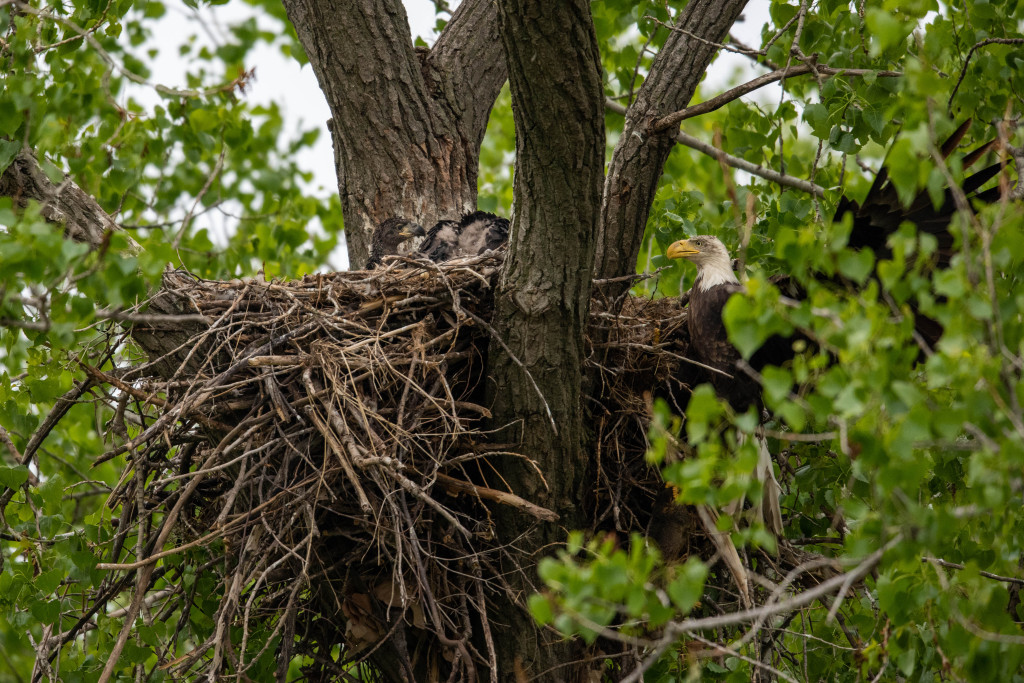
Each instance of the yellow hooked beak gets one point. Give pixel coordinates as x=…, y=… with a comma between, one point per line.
x=412, y=230
x=681, y=249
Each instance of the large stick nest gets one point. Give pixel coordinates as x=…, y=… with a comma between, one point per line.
x=318, y=453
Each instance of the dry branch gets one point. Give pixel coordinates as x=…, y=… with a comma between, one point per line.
x=502, y=497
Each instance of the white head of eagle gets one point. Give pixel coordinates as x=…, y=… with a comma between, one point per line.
x=714, y=265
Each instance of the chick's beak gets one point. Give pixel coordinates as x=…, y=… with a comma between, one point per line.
x=412, y=230
x=681, y=249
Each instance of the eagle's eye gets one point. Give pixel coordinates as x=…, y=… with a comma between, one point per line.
x=699, y=243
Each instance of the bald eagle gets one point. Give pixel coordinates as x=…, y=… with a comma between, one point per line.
x=481, y=231
x=472, y=235
x=873, y=222
x=715, y=284
x=441, y=242
x=388, y=236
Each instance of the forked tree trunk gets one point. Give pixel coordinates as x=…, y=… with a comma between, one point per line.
x=407, y=124
x=544, y=293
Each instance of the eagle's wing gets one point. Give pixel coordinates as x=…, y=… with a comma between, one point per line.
x=881, y=213
x=480, y=231
x=441, y=242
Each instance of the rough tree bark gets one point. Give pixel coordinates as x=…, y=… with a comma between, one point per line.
x=640, y=156
x=406, y=127
x=544, y=291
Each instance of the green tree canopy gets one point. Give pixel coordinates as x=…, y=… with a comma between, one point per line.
x=905, y=466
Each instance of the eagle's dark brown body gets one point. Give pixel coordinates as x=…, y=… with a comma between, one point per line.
x=874, y=221
x=711, y=345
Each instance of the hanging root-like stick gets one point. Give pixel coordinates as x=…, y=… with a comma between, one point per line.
x=503, y=497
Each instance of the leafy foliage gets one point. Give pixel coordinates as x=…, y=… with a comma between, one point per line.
x=928, y=449
x=923, y=448
x=174, y=166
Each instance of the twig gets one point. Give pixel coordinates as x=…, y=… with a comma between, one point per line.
x=5, y=439
x=675, y=118
x=720, y=649
x=970, y=53
x=199, y=197
x=339, y=424
x=802, y=438
x=241, y=82
x=989, y=575
x=100, y=377
x=152, y=318
x=142, y=582
x=502, y=497
x=676, y=628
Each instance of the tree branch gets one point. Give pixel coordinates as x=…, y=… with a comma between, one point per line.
x=988, y=575
x=963, y=70
x=468, y=57
x=674, y=629
x=666, y=122
x=503, y=497
x=85, y=221
x=639, y=158
x=65, y=203
x=734, y=161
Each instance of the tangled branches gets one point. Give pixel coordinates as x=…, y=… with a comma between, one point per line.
x=311, y=473
x=315, y=453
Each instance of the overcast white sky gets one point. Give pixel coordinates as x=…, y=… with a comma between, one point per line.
x=295, y=89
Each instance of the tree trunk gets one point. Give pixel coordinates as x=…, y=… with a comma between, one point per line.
x=639, y=156
x=543, y=296
x=406, y=127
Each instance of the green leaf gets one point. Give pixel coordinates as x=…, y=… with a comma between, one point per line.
x=777, y=383
x=906, y=661
x=203, y=120
x=135, y=654
x=13, y=477
x=8, y=150
x=816, y=116
x=950, y=283
x=702, y=409
x=47, y=582
x=45, y=611
x=886, y=29
x=84, y=559
x=10, y=118
x=540, y=608
x=688, y=586
x=794, y=415
x=740, y=316
x=856, y=264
